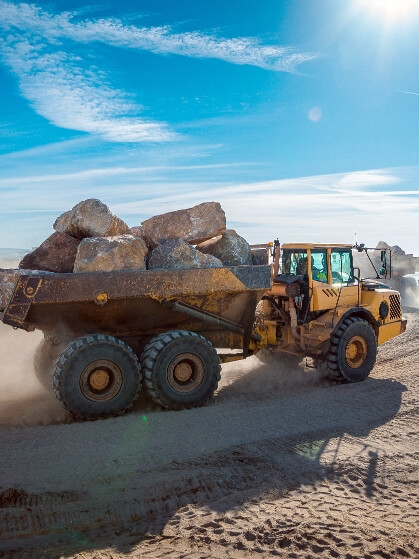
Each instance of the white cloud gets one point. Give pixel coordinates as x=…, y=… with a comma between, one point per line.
x=71, y=98
x=160, y=40
x=410, y=93
x=321, y=208
x=106, y=172
x=363, y=179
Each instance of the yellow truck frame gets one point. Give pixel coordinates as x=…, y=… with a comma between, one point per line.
x=334, y=319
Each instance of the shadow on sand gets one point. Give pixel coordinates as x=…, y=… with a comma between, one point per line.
x=289, y=437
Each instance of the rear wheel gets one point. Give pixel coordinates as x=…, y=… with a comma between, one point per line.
x=353, y=350
x=43, y=361
x=97, y=376
x=181, y=369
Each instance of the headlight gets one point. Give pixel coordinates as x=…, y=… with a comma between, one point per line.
x=383, y=310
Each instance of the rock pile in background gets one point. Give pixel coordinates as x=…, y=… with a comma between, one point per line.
x=90, y=237
x=402, y=264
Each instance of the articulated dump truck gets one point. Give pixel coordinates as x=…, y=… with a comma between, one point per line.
x=108, y=335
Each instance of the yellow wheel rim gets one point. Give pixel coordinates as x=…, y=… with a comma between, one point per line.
x=185, y=372
x=101, y=380
x=356, y=352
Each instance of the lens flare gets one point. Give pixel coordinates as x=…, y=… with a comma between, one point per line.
x=390, y=11
x=315, y=114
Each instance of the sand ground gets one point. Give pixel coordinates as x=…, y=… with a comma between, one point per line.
x=280, y=463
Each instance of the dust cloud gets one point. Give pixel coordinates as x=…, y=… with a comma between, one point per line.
x=269, y=373
x=411, y=294
x=23, y=401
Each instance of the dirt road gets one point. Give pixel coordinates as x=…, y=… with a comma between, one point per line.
x=281, y=463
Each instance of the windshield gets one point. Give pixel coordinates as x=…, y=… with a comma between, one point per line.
x=342, y=268
x=294, y=262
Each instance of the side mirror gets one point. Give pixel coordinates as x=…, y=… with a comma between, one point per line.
x=383, y=270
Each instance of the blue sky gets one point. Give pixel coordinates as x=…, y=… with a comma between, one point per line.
x=300, y=117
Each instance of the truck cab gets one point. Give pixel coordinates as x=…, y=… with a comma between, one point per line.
x=319, y=308
x=326, y=272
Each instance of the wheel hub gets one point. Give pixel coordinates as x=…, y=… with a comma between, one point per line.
x=185, y=372
x=356, y=352
x=101, y=380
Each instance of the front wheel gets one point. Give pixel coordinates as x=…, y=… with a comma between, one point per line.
x=353, y=350
x=97, y=376
x=181, y=369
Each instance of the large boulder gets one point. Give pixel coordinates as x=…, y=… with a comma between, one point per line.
x=107, y=254
x=194, y=225
x=260, y=257
x=230, y=248
x=90, y=218
x=55, y=254
x=138, y=232
x=178, y=254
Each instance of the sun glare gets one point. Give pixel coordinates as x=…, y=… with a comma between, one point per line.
x=391, y=11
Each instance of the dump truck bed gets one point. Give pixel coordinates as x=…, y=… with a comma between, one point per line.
x=125, y=303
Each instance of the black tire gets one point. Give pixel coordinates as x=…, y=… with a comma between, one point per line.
x=353, y=350
x=43, y=360
x=97, y=376
x=181, y=369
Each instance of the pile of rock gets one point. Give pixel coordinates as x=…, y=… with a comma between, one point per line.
x=402, y=265
x=90, y=237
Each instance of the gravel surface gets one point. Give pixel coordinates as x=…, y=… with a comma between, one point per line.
x=280, y=463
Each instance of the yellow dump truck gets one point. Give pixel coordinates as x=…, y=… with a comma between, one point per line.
x=107, y=335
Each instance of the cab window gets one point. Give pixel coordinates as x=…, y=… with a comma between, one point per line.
x=342, y=267
x=294, y=262
x=319, y=265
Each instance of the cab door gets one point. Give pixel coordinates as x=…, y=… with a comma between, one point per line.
x=332, y=279
x=323, y=297
x=342, y=276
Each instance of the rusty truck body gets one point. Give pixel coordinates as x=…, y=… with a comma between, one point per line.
x=107, y=335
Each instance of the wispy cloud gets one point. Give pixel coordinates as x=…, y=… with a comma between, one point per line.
x=72, y=98
x=108, y=172
x=377, y=204
x=409, y=92
x=62, y=90
x=160, y=40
